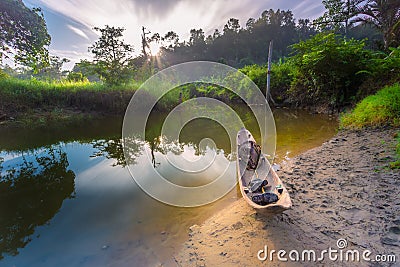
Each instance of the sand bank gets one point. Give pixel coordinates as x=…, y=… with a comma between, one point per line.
x=340, y=190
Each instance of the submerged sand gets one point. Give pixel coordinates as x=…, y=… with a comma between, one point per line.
x=340, y=190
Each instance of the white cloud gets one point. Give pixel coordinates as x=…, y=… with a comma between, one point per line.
x=177, y=15
x=162, y=15
x=308, y=9
x=78, y=31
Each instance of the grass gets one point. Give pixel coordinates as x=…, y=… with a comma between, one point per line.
x=396, y=164
x=380, y=109
x=35, y=102
x=24, y=96
x=18, y=95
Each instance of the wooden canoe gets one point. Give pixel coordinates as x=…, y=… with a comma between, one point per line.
x=264, y=170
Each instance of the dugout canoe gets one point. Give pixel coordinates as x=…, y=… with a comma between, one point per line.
x=263, y=170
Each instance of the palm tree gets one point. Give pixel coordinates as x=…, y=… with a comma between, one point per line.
x=383, y=14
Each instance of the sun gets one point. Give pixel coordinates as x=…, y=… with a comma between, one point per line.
x=154, y=48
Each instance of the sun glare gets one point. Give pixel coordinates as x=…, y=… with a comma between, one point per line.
x=154, y=49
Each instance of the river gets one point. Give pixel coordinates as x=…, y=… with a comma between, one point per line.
x=67, y=198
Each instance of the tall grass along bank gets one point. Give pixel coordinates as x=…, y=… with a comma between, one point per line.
x=380, y=109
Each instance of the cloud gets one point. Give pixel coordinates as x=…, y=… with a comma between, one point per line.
x=78, y=17
x=78, y=31
x=165, y=15
x=308, y=9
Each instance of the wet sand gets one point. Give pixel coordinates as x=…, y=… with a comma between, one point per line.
x=342, y=189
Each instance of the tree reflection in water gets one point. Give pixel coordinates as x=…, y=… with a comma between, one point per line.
x=31, y=193
x=112, y=149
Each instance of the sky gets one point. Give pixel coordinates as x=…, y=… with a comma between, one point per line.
x=70, y=22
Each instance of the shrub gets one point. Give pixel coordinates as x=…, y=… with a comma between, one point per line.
x=327, y=68
x=76, y=77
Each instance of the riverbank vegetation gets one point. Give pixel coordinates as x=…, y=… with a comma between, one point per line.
x=23, y=95
x=396, y=164
x=380, y=109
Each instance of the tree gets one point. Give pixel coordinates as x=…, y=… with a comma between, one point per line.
x=328, y=66
x=170, y=39
x=338, y=14
x=112, y=55
x=278, y=17
x=53, y=70
x=24, y=31
x=250, y=24
x=87, y=69
x=232, y=26
x=305, y=29
x=197, y=37
x=385, y=16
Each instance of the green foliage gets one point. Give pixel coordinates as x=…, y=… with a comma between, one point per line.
x=387, y=65
x=396, y=164
x=281, y=78
x=382, y=108
x=112, y=56
x=258, y=74
x=327, y=67
x=383, y=69
x=385, y=16
x=3, y=75
x=76, y=77
x=23, y=30
x=338, y=14
x=18, y=95
x=87, y=69
x=52, y=70
x=329, y=70
x=398, y=145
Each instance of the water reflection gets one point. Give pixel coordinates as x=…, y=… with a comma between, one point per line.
x=109, y=220
x=112, y=149
x=32, y=189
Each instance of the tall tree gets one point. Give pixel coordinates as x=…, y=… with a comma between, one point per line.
x=197, y=37
x=54, y=69
x=384, y=15
x=250, y=24
x=145, y=42
x=24, y=31
x=112, y=55
x=87, y=69
x=338, y=14
x=305, y=29
x=232, y=26
x=170, y=39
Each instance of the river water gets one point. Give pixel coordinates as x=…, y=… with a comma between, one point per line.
x=67, y=198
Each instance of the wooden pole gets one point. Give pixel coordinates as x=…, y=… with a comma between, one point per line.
x=267, y=93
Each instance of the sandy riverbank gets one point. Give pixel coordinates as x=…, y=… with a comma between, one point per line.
x=341, y=189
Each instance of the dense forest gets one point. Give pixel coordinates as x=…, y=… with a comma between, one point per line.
x=349, y=52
